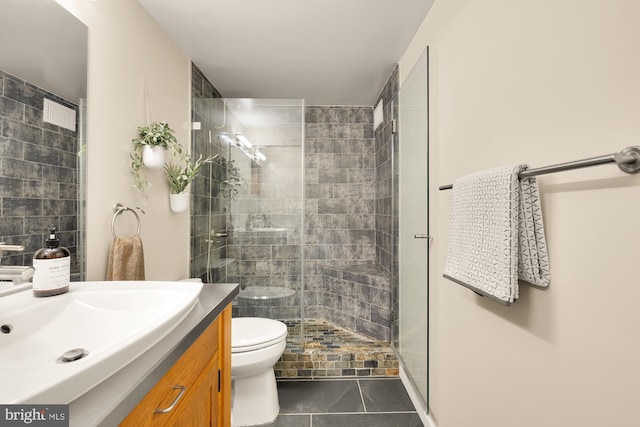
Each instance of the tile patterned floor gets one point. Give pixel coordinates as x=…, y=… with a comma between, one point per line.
x=370, y=402
x=332, y=351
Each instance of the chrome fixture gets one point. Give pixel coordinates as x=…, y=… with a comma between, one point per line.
x=72, y=355
x=214, y=233
x=259, y=155
x=243, y=139
x=248, y=148
x=118, y=208
x=628, y=160
x=226, y=138
x=15, y=273
x=10, y=248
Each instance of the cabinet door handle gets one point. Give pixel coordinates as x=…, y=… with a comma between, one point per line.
x=175, y=401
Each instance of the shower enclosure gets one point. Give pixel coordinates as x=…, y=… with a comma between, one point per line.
x=297, y=208
x=248, y=204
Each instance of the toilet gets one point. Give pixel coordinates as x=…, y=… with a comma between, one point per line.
x=256, y=345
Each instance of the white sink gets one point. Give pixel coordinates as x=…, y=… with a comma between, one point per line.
x=114, y=322
x=8, y=288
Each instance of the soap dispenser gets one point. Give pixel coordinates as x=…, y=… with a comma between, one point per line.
x=53, y=268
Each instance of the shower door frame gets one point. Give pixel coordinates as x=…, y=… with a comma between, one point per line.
x=413, y=229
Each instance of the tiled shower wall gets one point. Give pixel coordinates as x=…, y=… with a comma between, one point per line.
x=266, y=238
x=206, y=192
x=38, y=173
x=339, y=194
x=386, y=152
x=386, y=176
x=349, y=198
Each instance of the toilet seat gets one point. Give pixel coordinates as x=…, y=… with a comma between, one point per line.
x=253, y=333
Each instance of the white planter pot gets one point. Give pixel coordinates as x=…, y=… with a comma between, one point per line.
x=179, y=202
x=153, y=157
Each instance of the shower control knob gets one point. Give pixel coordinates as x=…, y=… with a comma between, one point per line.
x=218, y=234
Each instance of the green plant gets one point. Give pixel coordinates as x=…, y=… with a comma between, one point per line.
x=183, y=169
x=157, y=134
x=140, y=181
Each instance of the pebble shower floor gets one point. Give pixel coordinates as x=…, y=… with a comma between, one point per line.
x=331, y=351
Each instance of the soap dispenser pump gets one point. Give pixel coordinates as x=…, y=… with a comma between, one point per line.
x=53, y=268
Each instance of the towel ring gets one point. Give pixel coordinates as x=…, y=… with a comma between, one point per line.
x=118, y=208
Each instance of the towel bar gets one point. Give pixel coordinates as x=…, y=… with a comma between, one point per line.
x=628, y=160
x=118, y=208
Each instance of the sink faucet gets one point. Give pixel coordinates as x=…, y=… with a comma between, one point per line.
x=16, y=274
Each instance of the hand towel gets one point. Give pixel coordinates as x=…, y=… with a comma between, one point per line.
x=496, y=234
x=126, y=259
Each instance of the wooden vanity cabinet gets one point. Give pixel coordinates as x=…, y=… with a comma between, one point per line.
x=196, y=391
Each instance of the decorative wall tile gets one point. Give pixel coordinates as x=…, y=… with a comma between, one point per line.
x=21, y=131
x=22, y=91
x=333, y=351
x=10, y=187
x=11, y=109
x=10, y=149
x=386, y=150
x=38, y=173
x=207, y=187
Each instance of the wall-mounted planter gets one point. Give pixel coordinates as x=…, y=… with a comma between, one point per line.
x=179, y=202
x=153, y=157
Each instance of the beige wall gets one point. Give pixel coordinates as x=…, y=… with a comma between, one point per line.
x=126, y=46
x=542, y=82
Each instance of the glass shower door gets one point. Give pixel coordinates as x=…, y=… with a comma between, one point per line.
x=254, y=230
x=414, y=226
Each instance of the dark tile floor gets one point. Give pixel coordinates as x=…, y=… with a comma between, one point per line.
x=381, y=402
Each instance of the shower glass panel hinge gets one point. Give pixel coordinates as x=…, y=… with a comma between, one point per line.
x=394, y=126
x=421, y=236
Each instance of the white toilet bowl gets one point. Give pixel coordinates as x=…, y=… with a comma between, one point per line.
x=256, y=345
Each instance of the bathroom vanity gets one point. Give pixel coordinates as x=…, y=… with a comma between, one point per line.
x=196, y=389
x=184, y=379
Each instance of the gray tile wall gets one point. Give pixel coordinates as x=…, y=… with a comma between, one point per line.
x=38, y=173
x=271, y=259
x=386, y=176
x=339, y=194
x=386, y=151
x=350, y=205
x=270, y=252
x=206, y=190
x=358, y=298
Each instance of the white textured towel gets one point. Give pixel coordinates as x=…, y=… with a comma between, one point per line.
x=496, y=235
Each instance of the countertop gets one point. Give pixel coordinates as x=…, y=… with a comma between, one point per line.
x=110, y=401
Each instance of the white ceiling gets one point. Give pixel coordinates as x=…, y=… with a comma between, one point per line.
x=327, y=52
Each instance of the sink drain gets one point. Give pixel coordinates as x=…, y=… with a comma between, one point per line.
x=6, y=329
x=73, y=355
